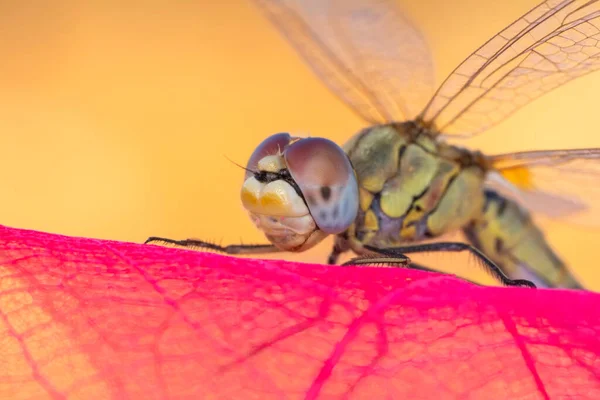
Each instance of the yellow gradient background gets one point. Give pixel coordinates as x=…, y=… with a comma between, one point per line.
x=116, y=117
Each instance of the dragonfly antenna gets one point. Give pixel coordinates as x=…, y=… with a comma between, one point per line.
x=242, y=167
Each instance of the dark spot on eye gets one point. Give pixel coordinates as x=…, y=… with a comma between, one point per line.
x=310, y=199
x=418, y=208
x=325, y=192
x=335, y=212
x=323, y=215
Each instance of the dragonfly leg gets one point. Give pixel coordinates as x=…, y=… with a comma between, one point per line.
x=398, y=260
x=420, y=267
x=399, y=253
x=401, y=262
x=333, y=256
x=340, y=246
x=230, y=249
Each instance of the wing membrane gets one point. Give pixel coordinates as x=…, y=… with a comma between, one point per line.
x=552, y=44
x=558, y=184
x=366, y=52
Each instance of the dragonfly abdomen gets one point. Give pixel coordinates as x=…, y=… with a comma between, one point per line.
x=507, y=235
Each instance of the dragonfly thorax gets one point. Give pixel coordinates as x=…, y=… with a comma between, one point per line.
x=299, y=190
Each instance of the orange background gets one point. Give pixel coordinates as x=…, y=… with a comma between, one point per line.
x=117, y=117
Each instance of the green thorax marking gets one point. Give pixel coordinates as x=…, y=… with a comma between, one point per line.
x=412, y=186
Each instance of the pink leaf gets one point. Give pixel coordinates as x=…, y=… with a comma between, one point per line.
x=86, y=318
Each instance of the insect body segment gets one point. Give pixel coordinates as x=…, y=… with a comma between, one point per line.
x=415, y=193
x=506, y=233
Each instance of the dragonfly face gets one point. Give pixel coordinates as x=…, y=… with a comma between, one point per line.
x=299, y=190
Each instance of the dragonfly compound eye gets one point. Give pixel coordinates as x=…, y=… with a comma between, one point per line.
x=326, y=179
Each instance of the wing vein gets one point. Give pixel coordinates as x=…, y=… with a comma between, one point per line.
x=510, y=71
x=356, y=83
x=549, y=46
x=366, y=52
x=523, y=32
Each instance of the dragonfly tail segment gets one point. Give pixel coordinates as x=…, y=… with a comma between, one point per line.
x=506, y=233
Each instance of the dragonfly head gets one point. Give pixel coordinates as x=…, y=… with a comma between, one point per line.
x=299, y=190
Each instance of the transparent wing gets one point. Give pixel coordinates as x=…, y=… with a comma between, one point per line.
x=558, y=184
x=553, y=43
x=365, y=51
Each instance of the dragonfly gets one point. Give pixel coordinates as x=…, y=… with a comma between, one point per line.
x=400, y=184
